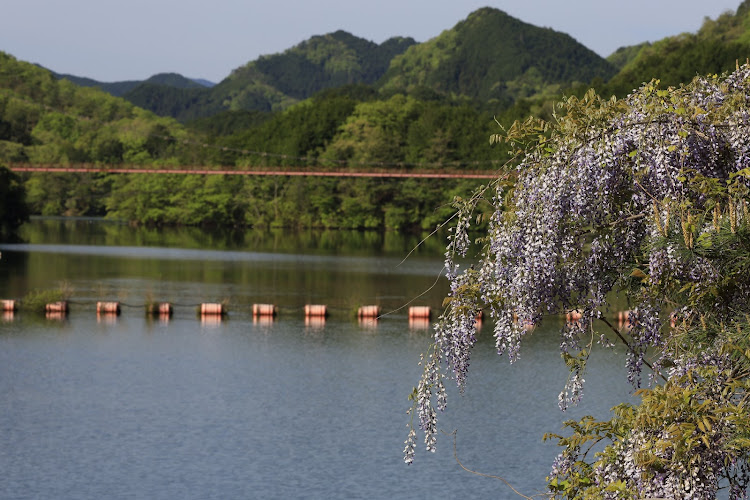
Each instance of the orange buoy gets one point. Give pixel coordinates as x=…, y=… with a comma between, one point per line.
x=8, y=305
x=623, y=317
x=573, y=316
x=316, y=310
x=60, y=307
x=160, y=309
x=264, y=310
x=108, y=308
x=420, y=312
x=212, y=309
x=368, y=312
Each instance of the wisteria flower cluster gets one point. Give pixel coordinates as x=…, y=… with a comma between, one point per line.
x=645, y=196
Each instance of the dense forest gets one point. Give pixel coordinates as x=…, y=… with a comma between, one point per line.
x=334, y=101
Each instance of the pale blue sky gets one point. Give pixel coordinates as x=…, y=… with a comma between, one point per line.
x=134, y=39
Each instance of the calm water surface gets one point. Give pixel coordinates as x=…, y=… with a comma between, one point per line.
x=132, y=407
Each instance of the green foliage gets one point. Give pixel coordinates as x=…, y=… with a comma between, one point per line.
x=703, y=413
x=13, y=208
x=228, y=122
x=262, y=202
x=36, y=300
x=166, y=100
x=622, y=56
x=44, y=120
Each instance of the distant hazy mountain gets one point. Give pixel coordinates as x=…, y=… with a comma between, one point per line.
x=119, y=89
x=203, y=82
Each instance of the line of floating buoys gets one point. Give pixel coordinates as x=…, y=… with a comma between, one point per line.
x=213, y=312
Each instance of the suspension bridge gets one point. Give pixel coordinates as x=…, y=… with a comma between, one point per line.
x=279, y=171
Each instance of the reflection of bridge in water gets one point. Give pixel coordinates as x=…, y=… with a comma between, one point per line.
x=261, y=171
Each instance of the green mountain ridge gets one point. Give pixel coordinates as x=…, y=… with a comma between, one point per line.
x=489, y=57
x=717, y=47
x=492, y=56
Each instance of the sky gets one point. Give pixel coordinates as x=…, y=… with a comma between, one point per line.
x=132, y=40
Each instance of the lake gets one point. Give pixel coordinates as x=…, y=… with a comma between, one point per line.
x=130, y=406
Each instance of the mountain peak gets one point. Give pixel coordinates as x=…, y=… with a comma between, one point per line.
x=493, y=56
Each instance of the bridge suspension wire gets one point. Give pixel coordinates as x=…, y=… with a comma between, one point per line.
x=264, y=171
x=348, y=163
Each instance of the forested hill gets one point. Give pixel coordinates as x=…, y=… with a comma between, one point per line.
x=322, y=62
x=714, y=49
x=492, y=56
x=270, y=83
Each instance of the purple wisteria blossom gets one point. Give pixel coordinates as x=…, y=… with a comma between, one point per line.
x=636, y=197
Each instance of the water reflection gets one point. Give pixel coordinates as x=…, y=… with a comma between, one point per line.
x=72, y=231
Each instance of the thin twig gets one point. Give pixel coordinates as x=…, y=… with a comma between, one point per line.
x=630, y=348
x=455, y=455
x=434, y=284
x=438, y=228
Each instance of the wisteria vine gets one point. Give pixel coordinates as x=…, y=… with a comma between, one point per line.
x=630, y=196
